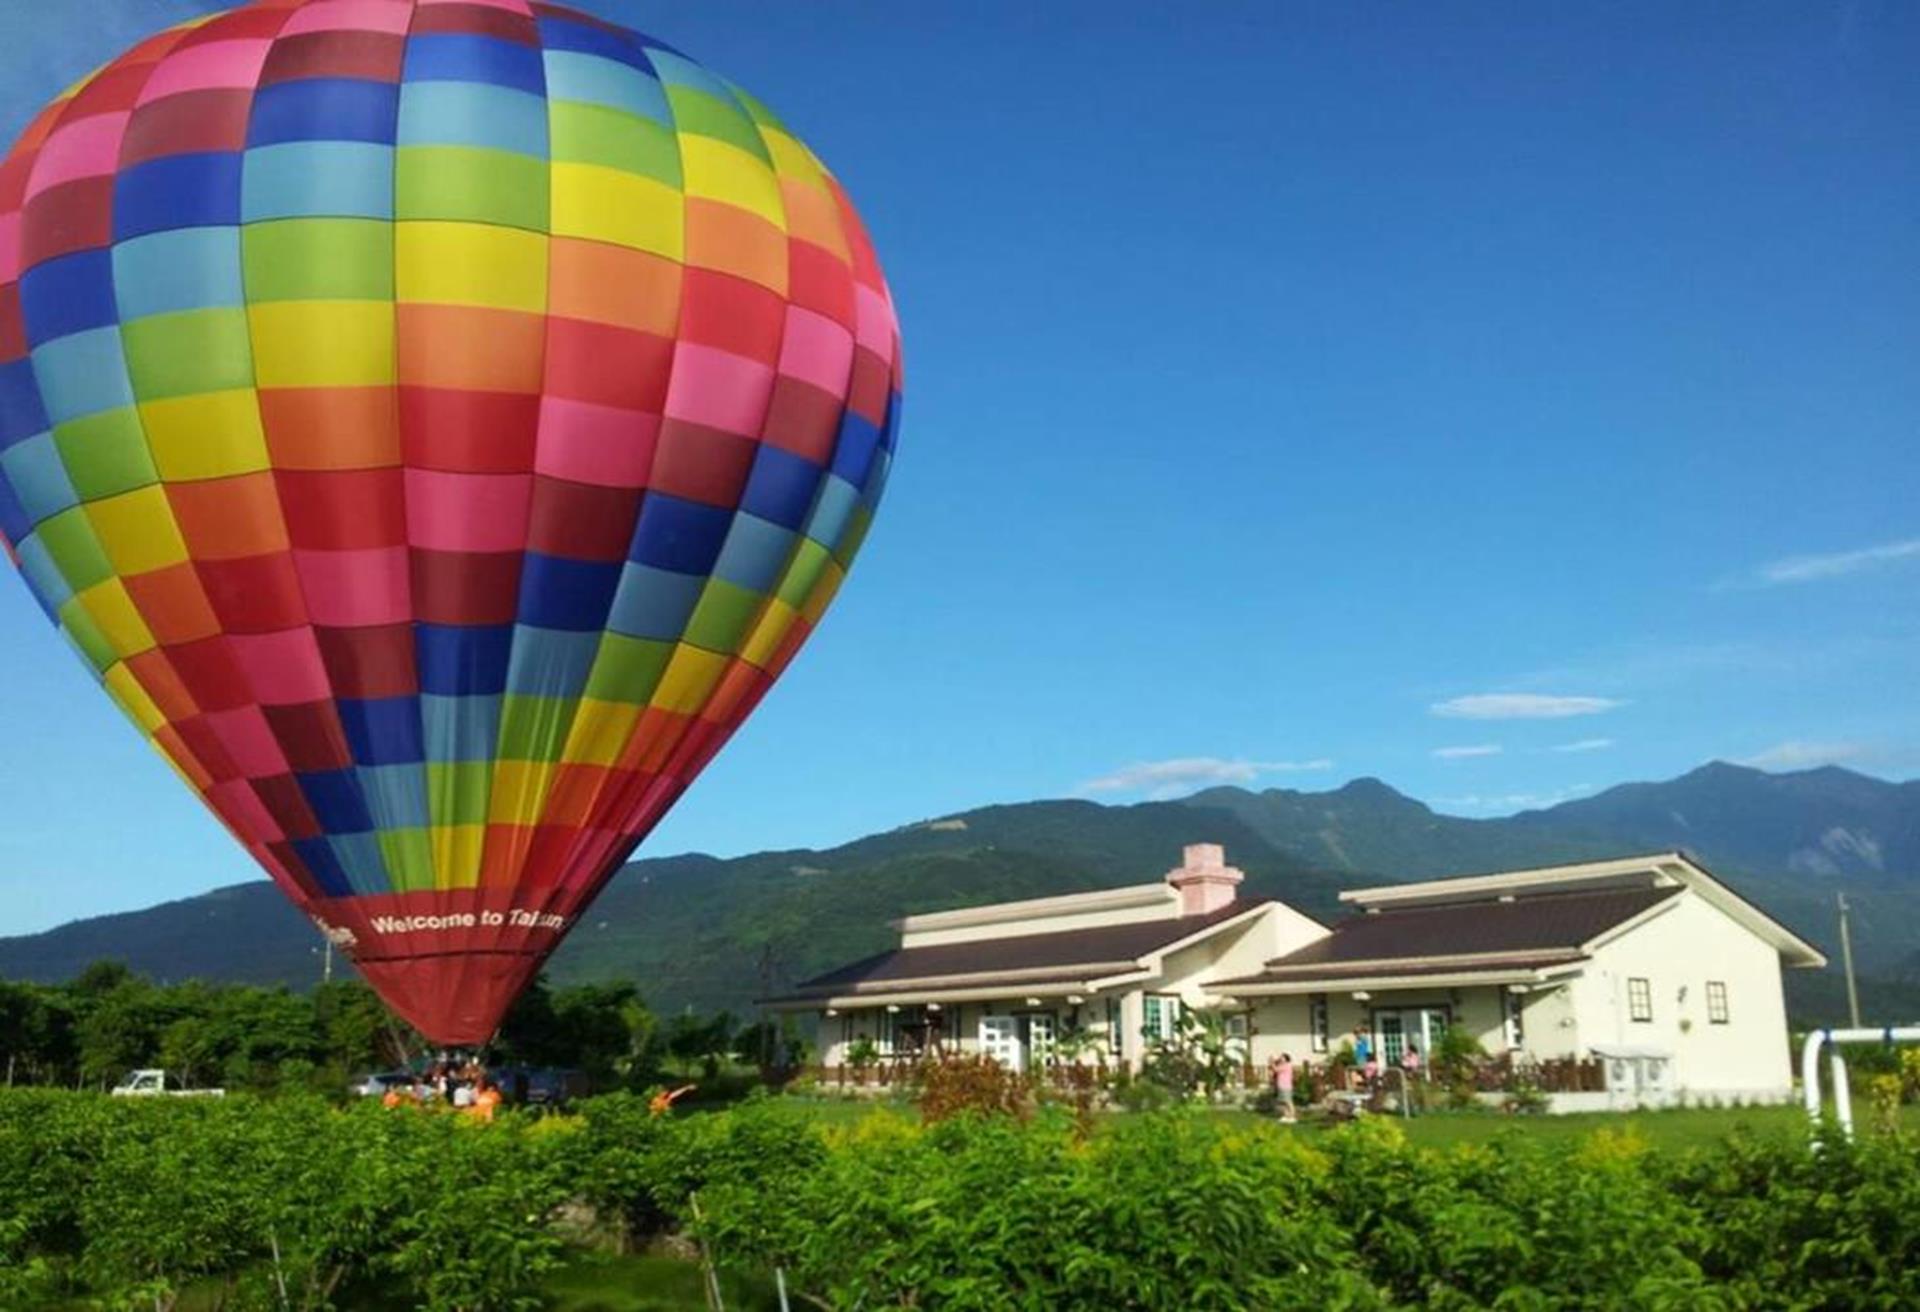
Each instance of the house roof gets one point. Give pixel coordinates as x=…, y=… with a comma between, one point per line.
x=1073, y=954
x=1526, y=924
x=1656, y=869
x=1525, y=932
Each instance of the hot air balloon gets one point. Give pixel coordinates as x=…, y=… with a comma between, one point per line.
x=436, y=423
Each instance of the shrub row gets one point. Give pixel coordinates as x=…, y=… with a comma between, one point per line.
x=126, y=1203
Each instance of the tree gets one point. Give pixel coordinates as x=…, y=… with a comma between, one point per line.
x=118, y=1030
x=1195, y=1057
x=36, y=1034
x=707, y=1041
x=356, y=1032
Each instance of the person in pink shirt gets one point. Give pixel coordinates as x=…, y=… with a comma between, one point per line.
x=1283, y=1088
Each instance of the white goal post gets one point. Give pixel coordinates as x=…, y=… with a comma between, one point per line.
x=1842, y=1095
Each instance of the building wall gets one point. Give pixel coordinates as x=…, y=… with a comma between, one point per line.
x=1242, y=950
x=1548, y=1023
x=1678, y=952
x=1281, y=1025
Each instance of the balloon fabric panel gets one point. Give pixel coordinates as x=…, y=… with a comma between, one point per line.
x=436, y=424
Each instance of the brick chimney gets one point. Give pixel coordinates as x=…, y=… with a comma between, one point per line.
x=1205, y=880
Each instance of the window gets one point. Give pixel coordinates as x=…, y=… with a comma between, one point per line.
x=904, y=1030
x=1716, y=1002
x=1160, y=1012
x=1317, y=1022
x=1639, y=999
x=1510, y=1005
x=1116, y=1047
x=1239, y=1030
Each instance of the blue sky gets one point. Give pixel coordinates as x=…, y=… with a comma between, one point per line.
x=1504, y=400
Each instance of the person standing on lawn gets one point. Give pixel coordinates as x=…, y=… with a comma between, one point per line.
x=1283, y=1088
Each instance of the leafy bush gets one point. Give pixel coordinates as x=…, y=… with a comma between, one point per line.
x=116, y=1203
x=970, y=1084
x=1194, y=1058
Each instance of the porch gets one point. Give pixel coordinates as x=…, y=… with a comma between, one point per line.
x=861, y=1045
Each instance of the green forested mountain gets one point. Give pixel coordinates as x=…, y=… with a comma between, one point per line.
x=705, y=932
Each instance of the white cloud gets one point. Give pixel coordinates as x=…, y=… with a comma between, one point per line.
x=1521, y=706
x=1584, y=745
x=1801, y=754
x=1163, y=779
x=1461, y=753
x=1511, y=801
x=1835, y=564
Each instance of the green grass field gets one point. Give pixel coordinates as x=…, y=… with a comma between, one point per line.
x=595, y=1282
x=1673, y=1128
x=589, y=1282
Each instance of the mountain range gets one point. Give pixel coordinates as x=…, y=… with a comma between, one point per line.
x=703, y=932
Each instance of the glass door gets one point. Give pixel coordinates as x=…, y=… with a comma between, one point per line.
x=1041, y=1034
x=1420, y=1027
x=1392, y=1037
x=1433, y=1025
x=1000, y=1040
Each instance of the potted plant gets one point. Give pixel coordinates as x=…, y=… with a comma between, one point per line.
x=863, y=1054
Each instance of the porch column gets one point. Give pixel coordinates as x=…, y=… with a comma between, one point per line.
x=1132, y=1017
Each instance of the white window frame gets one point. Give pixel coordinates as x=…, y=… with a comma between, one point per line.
x=1008, y=1053
x=1043, y=1038
x=1159, y=1016
x=1515, y=1027
x=1319, y=1032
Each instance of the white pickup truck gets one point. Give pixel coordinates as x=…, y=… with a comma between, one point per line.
x=159, y=1084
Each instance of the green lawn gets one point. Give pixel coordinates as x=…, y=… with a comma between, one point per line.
x=1674, y=1128
x=589, y=1282
x=1678, y=1127
x=598, y=1282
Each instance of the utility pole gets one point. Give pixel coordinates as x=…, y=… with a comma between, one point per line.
x=1846, y=958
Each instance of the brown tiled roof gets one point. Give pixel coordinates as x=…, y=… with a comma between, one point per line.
x=1545, y=925
x=1067, y=954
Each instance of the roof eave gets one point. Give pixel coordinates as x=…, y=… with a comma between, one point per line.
x=1270, y=988
x=920, y=997
x=1504, y=881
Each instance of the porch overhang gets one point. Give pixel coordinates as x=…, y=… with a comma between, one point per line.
x=1372, y=977
x=917, y=993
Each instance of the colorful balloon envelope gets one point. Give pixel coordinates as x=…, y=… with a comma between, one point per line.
x=437, y=423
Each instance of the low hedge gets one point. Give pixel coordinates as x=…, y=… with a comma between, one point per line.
x=117, y=1203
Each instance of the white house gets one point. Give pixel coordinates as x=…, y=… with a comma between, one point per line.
x=1648, y=964
x=1654, y=979
x=1011, y=978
